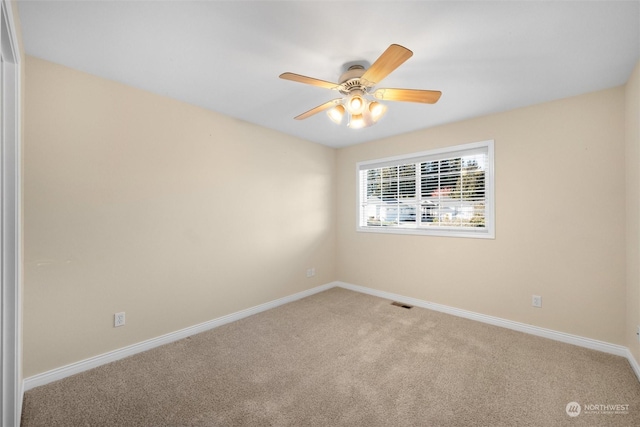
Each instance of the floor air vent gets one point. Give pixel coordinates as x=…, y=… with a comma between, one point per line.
x=399, y=304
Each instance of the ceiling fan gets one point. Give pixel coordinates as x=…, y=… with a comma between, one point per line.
x=357, y=85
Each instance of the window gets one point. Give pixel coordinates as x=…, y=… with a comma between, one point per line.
x=445, y=192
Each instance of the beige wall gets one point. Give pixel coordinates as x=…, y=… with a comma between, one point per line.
x=560, y=221
x=138, y=203
x=173, y=214
x=632, y=155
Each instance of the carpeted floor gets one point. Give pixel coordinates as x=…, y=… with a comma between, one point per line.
x=341, y=358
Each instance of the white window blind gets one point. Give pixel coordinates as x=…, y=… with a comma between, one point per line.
x=440, y=192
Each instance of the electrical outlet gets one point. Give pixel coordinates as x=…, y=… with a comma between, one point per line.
x=311, y=272
x=118, y=319
x=536, y=301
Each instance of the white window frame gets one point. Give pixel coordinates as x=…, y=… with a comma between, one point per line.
x=486, y=232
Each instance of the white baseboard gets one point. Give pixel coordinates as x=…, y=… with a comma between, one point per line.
x=112, y=356
x=605, y=347
x=634, y=363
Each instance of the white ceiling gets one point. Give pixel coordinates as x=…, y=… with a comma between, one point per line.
x=226, y=56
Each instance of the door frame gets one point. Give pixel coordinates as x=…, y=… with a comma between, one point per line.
x=11, y=390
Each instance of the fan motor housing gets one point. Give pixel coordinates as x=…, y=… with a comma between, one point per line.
x=350, y=80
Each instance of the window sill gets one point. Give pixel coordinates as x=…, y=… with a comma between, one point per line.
x=443, y=232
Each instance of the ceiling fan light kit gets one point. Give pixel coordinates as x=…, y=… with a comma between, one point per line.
x=359, y=100
x=356, y=104
x=357, y=121
x=336, y=114
x=377, y=110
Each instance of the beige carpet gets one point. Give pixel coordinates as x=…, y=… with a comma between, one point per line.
x=341, y=358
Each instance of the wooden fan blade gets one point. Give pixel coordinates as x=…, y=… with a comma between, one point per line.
x=319, y=108
x=390, y=59
x=408, y=95
x=308, y=80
